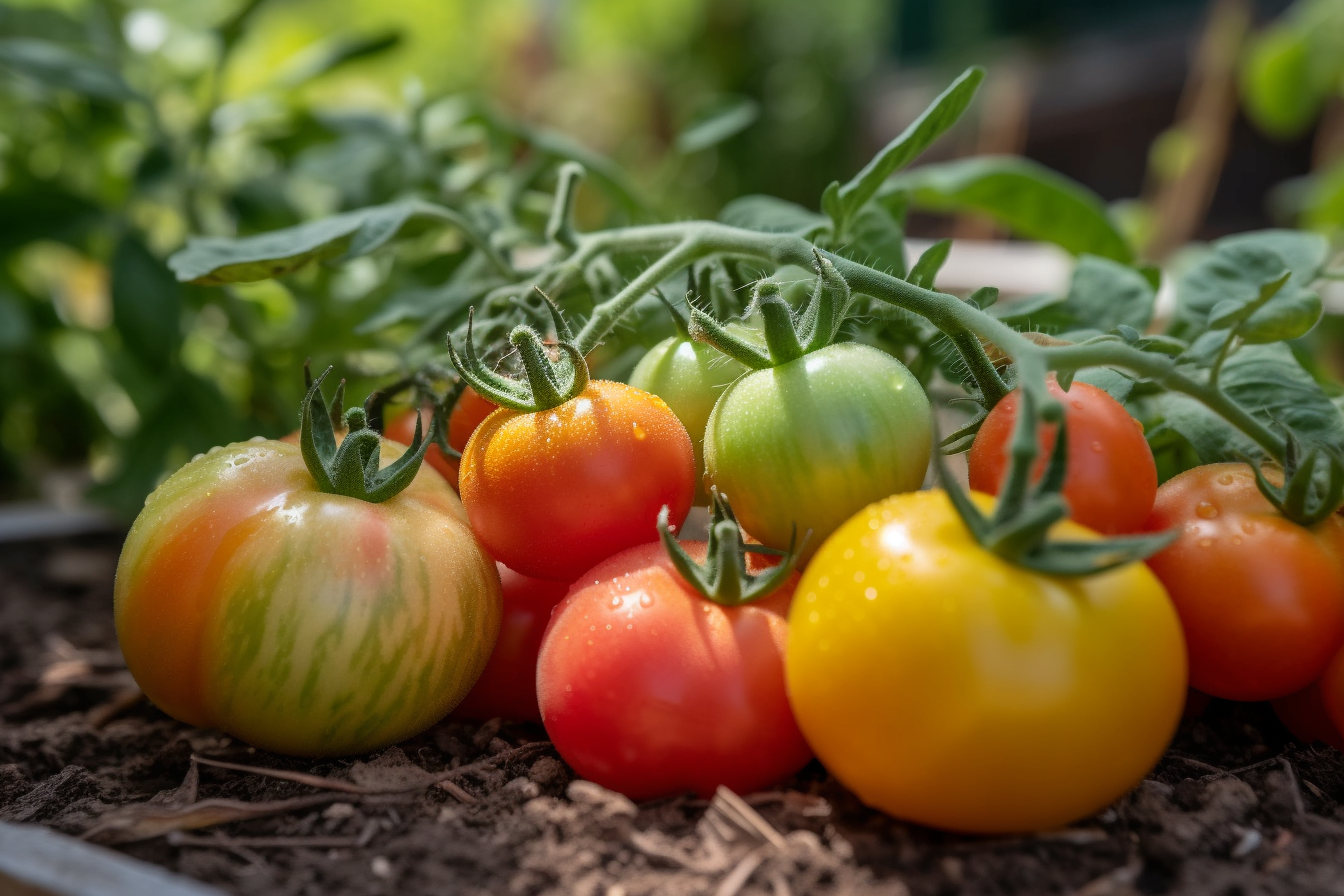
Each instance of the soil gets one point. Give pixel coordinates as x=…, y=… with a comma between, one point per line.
x=1235, y=808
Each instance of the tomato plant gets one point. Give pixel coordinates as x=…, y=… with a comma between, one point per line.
x=817, y=430
x=656, y=678
x=467, y=414
x=1009, y=700
x=508, y=686
x=690, y=376
x=1112, y=478
x=313, y=609
x=1261, y=598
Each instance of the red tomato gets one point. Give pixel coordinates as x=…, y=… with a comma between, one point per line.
x=467, y=414
x=1306, y=715
x=1261, y=598
x=1112, y=477
x=508, y=686
x=555, y=492
x=650, y=689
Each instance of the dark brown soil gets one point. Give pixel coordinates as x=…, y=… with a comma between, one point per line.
x=1235, y=807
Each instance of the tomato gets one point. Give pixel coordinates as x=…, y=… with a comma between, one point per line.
x=299, y=621
x=466, y=415
x=650, y=689
x=690, y=376
x=1111, y=478
x=1305, y=714
x=1261, y=598
x=812, y=441
x=947, y=686
x=1331, y=693
x=508, y=686
x=552, y=493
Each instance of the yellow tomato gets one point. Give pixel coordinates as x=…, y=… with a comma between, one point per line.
x=947, y=686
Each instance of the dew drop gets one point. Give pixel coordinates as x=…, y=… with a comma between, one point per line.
x=814, y=616
x=870, y=593
x=1206, y=511
x=1206, y=542
x=824, y=581
x=1236, y=539
x=1248, y=527
x=1226, y=479
x=608, y=626
x=646, y=600
x=639, y=431
x=616, y=601
x=1097, y=447
x=628, y=626
x=858, y=577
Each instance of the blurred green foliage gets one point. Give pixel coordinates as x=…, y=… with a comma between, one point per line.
x=125, y=128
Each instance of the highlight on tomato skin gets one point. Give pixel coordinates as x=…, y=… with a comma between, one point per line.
x=1112, y=477
x=508, y=686
x=303, y=622
x=1261, y=599
x=552, y=493
x=650, y=689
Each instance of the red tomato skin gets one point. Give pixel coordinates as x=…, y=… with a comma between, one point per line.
x=553, y=493
x=1112, y=478
x=508, y=686
x=471, y=409
x=1261, y=599
x=1305, y=714
x=649, y=689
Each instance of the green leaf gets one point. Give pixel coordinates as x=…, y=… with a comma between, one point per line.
x=1104, y=294
x=876, y=239
x=1112, y=382
x=897, y=154
x=15, y=327
x=61, y=68
x=444, y=302
x=1280, y=89
x=1237, y=274
x=215, y=260
x=727, y=117
x=328, y=55
x=926, y=269
x=1043, y=313
x=1028, y=198
x=767, y=214
x=1268, y=382
x=146, y=303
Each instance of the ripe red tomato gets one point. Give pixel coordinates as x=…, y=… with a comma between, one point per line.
x=1112, y=477
x=508, y=686
x=1305, y=714
x=467, y=414
x=555, y=492
x=1261, y=598
x=650, y=689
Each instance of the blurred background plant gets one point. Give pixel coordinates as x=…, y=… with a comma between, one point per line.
x=125, y=128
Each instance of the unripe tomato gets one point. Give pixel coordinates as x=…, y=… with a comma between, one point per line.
x=812, y=441
x=1261, y=598
x=650, y=689
x=508, y=686
x=553, y=493
x=471, y=409
x=1112, y=477
x=947, y=686
x=690, y=376
x=299, y=621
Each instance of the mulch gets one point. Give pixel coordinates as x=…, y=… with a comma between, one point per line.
x=1235, y=808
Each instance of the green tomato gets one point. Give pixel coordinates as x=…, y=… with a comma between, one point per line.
x=689, y=376
x=811, y=442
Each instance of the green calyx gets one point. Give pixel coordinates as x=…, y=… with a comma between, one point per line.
x=723, y=577
x=788, y=335
x=1019, y=529
x=352, y=468
x=1313, y=484
x=548, y=382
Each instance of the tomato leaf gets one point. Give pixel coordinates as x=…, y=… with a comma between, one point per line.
x=1104, y=294
x=216, y=260
x=876, y=239
x=900, y=152
x=929, y=264
x=726, y=118
x=329, y=55
x=767, y=214
x=1281, y=85
x=60, y=68
x=1028, y=198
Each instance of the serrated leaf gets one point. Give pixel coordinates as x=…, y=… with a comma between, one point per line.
x=216, y=260
x=930, y=262
x=727, y=118
x=1028, y=198
x=59, y=67
x=767, y=214
x=900, y=152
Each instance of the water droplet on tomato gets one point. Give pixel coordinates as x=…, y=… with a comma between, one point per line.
x=1236, y=539
x=870, y=593
x=639, y=431
x=1206, y=542
x=1098, y=447
x=1077, y=405
x=1248, y=527
x=608, y=626
x=646, y=600
x=616, y=601
x=1226, y=479
x=1205, y=510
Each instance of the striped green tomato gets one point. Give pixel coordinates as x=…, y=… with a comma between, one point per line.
x=299, y=621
